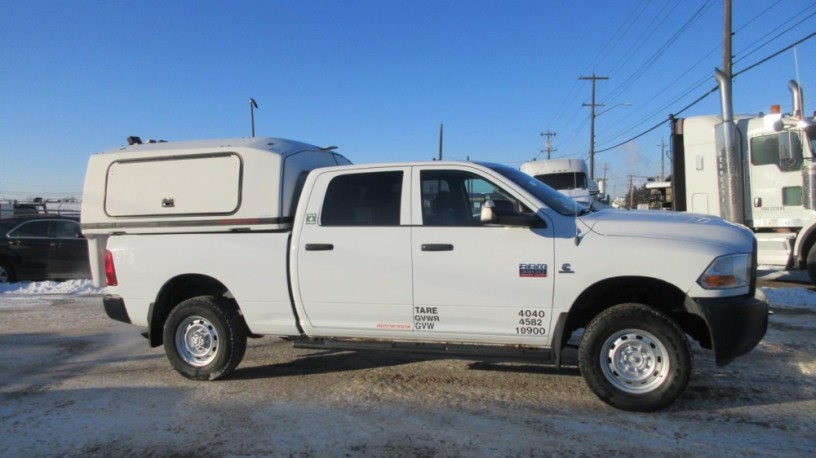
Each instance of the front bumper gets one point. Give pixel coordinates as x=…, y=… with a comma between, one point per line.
x=735, y=324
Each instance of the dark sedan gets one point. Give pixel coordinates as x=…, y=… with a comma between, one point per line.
x=42, y=247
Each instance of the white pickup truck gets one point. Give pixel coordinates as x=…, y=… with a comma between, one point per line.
x=208, y=243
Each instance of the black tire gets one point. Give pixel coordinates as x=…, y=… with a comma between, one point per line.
x=635, y=358
x=811, y=264
x=205, y=338
x=6, y=272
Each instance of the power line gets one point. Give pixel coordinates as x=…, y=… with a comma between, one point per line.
x=757, y=16
x=662, y=107
x=645, y=38
x=767, y=42
x=693, y=87
x=639, y=72
x=712, y=90
x=776, y=54
x=574, y=142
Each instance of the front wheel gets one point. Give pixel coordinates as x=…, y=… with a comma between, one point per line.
x=635, y=358
x=204, y=338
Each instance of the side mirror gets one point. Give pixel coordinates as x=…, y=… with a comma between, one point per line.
x=488, y=215
x=492, y=214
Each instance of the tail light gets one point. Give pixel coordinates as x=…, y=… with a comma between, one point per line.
x=110, y=270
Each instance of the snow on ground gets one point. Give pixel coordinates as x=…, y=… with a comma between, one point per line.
x=791, y=298
x=69, y=288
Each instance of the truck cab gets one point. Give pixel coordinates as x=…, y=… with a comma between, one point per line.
x=778, y=179
x=568, y=176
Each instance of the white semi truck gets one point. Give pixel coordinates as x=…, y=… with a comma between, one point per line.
x=765, y=180
x=568, y=176
x=204, y=244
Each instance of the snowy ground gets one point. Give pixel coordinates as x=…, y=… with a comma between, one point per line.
x=70, y=288
x=76, y=383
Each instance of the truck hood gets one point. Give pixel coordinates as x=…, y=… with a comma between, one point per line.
x=668, y=225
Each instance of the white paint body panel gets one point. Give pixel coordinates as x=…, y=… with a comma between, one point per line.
x=254, y=271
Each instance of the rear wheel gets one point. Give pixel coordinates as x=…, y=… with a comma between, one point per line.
x=6, y=272
x=635, y=358
x=204, y=338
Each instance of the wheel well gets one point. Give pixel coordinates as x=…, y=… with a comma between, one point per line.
x=643, y=290
x=180, y=289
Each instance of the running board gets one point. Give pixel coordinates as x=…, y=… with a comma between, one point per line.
x=436, y=349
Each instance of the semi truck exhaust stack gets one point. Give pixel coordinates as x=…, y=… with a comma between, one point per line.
x=798, y=100
x=729, y=157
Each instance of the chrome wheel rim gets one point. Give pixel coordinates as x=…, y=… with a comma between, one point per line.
x=634, y=361
x=197, y=341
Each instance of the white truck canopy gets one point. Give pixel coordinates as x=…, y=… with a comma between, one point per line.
x=245, y=184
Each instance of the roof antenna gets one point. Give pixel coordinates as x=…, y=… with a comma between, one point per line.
x=252, y=106
x=441, y=129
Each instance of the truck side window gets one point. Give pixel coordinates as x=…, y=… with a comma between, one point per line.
x=31, y=229
x=68, y=230
x=783, y=150
x=363, y=199
x=455, y=198
x=567, y=180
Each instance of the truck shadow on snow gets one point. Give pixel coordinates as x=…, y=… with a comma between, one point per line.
x=773, y=374
x=335, y=361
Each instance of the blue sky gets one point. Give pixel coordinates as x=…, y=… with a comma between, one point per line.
x=376, y=78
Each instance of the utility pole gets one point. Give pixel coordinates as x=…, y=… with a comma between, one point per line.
x=592, y=106
x=548, y=148
x=631, y=192
x=662, y=146
x=727, y=39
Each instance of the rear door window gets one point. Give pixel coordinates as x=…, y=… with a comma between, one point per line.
x=363, y=199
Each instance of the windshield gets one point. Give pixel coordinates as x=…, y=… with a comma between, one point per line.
x=811, y=134
x=551, y=198
x=566, y=180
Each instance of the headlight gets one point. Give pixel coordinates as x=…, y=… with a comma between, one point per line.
x=731, y=271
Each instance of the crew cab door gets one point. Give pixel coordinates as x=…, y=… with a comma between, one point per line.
x=475, y=281
x=352, y=264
